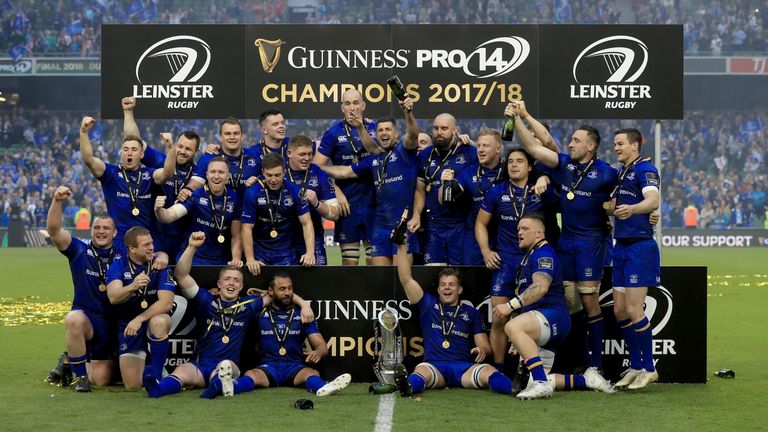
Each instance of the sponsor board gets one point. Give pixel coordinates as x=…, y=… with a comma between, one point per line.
x=347, y=300
x=705, y=238
x=611, y=71
x=471, y=71
x=184, y=71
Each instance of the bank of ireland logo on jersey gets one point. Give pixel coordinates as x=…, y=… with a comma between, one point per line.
x=269, y=53
x=172, y=69
x=608, y=69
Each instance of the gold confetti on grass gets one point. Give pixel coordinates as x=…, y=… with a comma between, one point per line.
x=29, y=310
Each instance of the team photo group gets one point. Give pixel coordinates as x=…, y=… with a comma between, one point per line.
x=544, y=217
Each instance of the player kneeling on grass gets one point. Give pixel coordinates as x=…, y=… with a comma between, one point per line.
x=281, y=334
x=543, y=322
x=455, y=344
x=226, y=318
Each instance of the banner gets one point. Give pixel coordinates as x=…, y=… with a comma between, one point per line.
x=706, y=238
x=471, y=71
x=179, y=71
x=611, y=71
x=346, y=300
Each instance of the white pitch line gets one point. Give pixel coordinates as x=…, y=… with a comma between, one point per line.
x=386, y=411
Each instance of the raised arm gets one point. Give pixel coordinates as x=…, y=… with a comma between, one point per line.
x=169, y=168
x=413, y=290
x=170, y=214
x=536, y=149
x=371, y=146
x=59, y=236
x=95, y=165
x=186, y=283
x=419, y=196
x=236, y=247
x=129, y=122
x=539, y=131
x=412, y=129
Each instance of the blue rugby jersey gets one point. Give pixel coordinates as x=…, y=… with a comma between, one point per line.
x=394, y=176
x=461, y=336
x=507, y=209
x=88, y=265
x=431, y=164
x=542, y=259
x=287, y=207
x=293, y=340
x=159, y=281
x=118, y=198
x=336, y=146
x=201, y=219
x=642, y=175
x=316, y=179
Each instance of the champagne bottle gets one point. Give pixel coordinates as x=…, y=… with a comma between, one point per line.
x=448, y=191
x=398, y=234
x=398, y=89
x=508, y=132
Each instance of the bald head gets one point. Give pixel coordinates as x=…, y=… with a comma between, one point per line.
x=352, y=105
x=443, y=131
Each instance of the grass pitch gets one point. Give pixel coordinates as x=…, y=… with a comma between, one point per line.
x=736, y=340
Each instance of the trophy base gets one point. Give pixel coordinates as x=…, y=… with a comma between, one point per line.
x=381, y=388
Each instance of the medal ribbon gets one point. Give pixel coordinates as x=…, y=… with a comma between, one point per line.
x=273, y=207
x=440, y=165
x=234, y=182
x=281, y=337
x=622, y=175
x=102, y=270
x=524, y=262
x=480, y=179
x=133, y=193
x=132, y=267
x=303, y=185
x=381, y=169
x=216, y=221
x=447, y=332
x=514, y=200
x=178, y=185
x=582, y=175
x=355, y=150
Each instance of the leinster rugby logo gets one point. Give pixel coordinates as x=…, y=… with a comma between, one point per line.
x=622, y=58
x=170, y=69
x=658, y=306
x=186, y=57
x=607, y=70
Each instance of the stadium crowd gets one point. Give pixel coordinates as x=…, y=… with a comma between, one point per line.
x=72, y=28
x=714, y=161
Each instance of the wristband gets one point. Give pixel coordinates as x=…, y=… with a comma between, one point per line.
x=515, y=303
x=318, y=205
x=188, y=188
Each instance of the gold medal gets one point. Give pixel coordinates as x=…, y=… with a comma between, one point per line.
x=607, y=205
x=570, y=195
x=220, y=238
x=135, y=211
x=446, y=344
x=429, y=187
x=273, y=233
x=102, y=287
x=282, y=351
x=225, y=339
x=355, y=159
x=144, y=304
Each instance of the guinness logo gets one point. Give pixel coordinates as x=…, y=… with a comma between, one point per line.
x=269, y=52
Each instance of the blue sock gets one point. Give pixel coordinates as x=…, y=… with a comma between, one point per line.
x=500, y=383
x=244, y=384
x=574, y=382
x=499, y=366
x=536, y=366
x=418, y=384
x=630, y=343
x=596, y=329
x=644, y=337
x=314, y=383
x=78, y=365
x=213, y=389
x=169, y=385
x=159, y=351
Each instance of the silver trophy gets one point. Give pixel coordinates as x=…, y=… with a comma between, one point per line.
x=387, y=351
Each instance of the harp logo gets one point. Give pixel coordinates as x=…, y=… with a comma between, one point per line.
x=608, y=70
x=269, y=53
x=187, y=57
